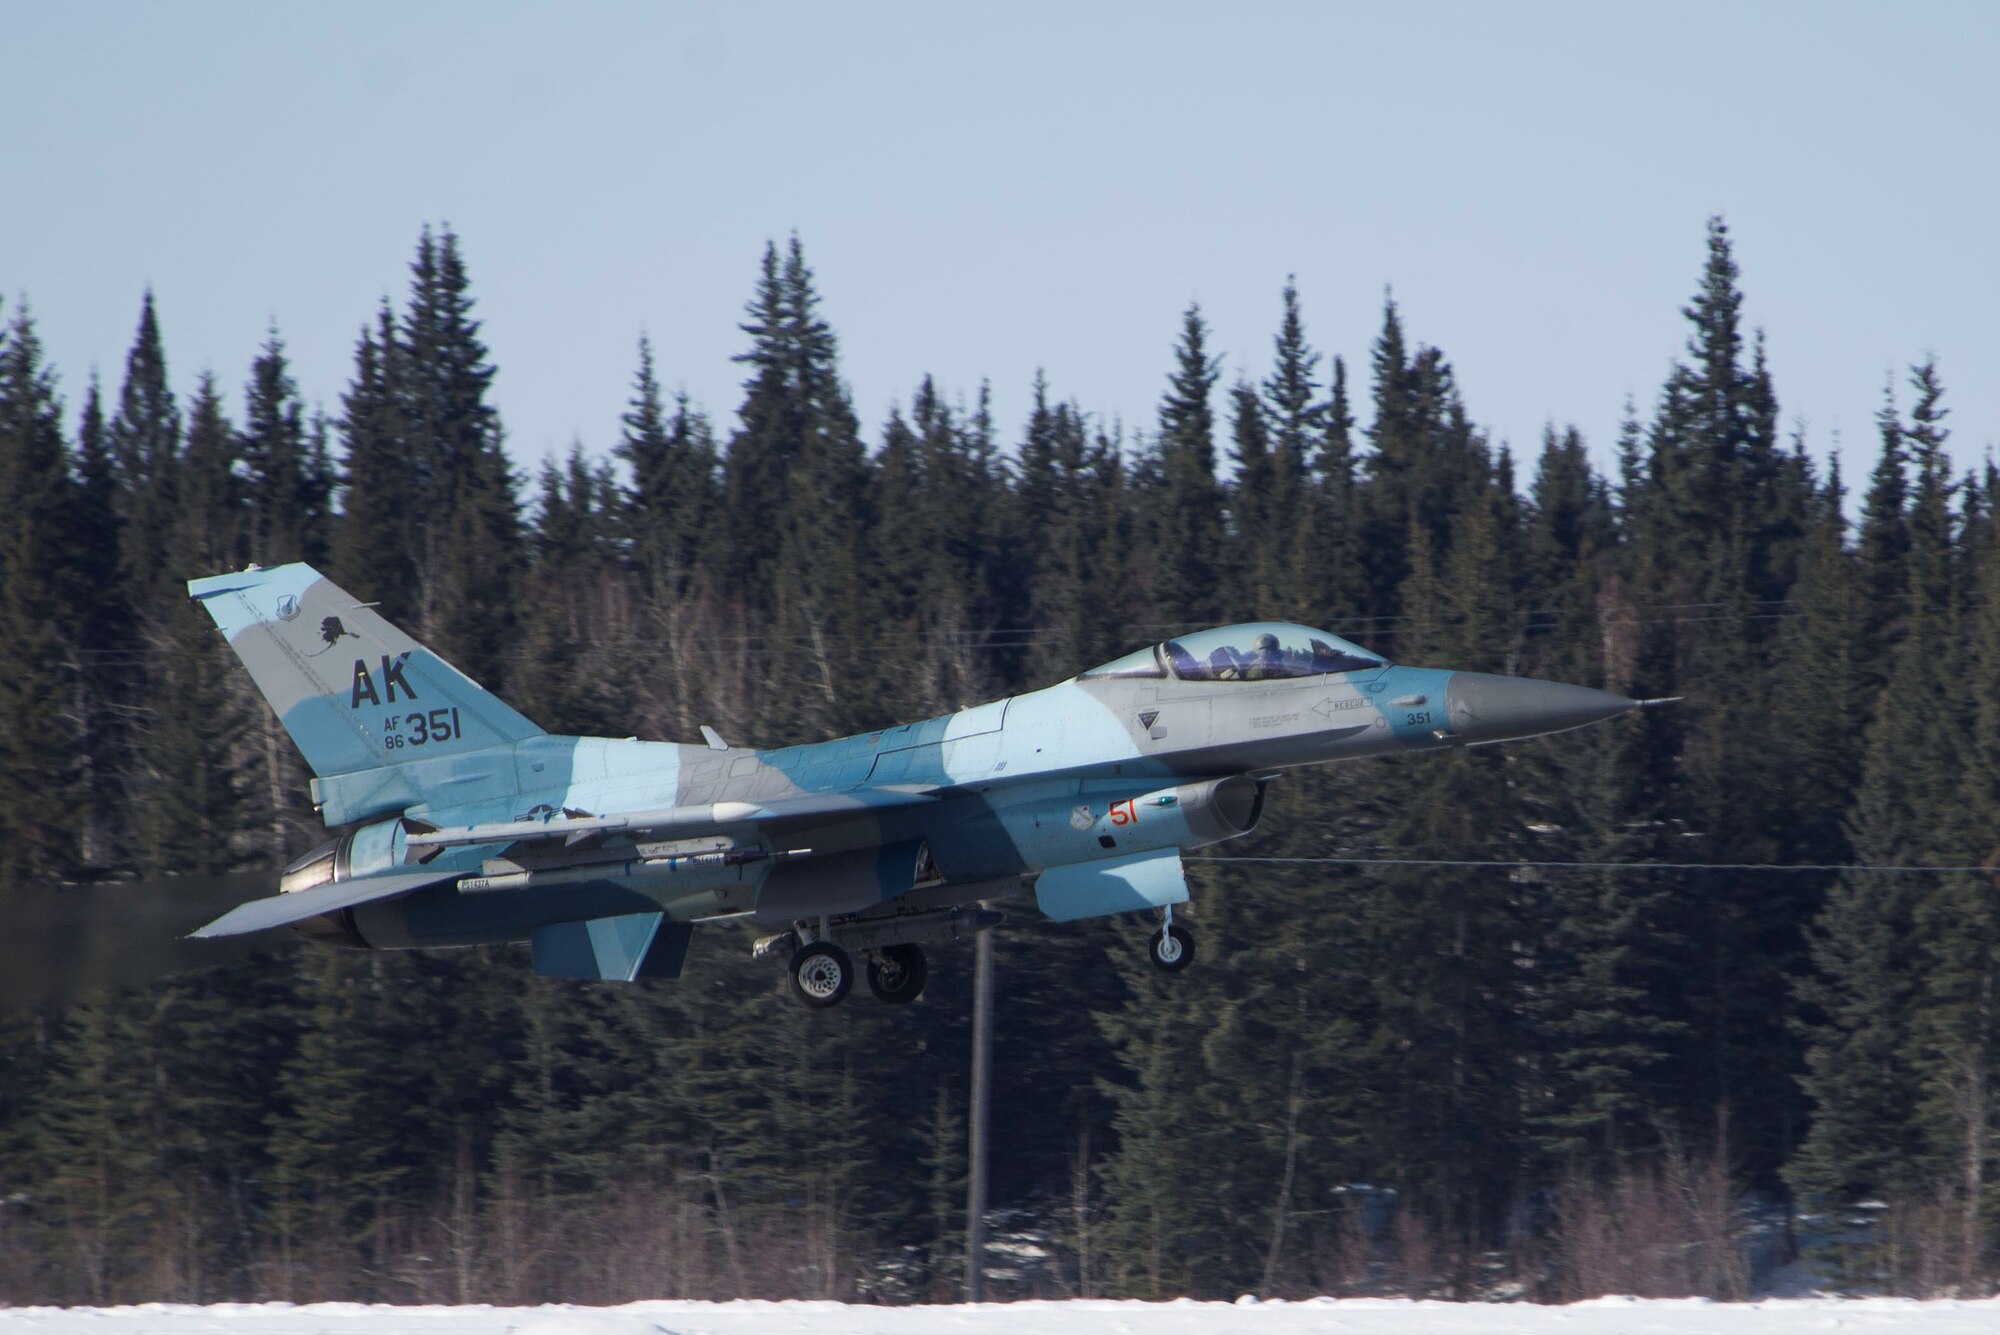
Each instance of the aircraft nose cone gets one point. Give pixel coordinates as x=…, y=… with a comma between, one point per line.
x=1482, y=707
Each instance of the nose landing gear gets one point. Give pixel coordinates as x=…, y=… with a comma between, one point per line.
x=1172, y=947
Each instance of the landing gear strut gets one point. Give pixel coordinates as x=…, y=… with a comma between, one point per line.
x=1172, y=947
x=822, y=974
x=896, y=974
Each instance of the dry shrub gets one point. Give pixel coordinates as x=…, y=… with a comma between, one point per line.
x=1910, y=1247
x=1340, y=1264
x=1383, y=1247
x=649, y=1239
x=1414, y=1260
x=1666, y=1229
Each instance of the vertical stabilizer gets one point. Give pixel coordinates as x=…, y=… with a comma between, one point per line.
x=366, y=705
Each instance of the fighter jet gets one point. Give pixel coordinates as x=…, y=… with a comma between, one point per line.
x=471, y=825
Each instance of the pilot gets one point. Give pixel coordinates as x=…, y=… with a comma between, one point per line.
x=1267, y=660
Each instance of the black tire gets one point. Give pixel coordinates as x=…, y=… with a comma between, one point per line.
x=1173, y=949
x=897, y=974
x=822, y=975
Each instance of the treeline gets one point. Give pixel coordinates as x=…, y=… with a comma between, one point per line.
x=1445, y=1079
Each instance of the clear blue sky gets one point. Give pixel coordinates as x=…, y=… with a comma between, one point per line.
x=985, y=190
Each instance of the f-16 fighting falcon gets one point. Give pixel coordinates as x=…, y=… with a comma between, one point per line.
x=472, y=825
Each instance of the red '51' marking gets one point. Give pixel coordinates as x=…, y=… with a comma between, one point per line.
x=1124, y=813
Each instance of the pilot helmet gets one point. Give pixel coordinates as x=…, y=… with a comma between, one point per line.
x=1267, y=643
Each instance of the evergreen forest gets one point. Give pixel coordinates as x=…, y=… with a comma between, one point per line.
x=1494, y=1078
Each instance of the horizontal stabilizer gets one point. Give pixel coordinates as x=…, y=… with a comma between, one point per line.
x=622, y=949
x=676, y=820
x=283, y=910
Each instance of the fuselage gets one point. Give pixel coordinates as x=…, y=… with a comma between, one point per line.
x=1092, y=768
x=467, y=823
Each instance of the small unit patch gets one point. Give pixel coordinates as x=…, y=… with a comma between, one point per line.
x=1080, y=819
x=288, y=607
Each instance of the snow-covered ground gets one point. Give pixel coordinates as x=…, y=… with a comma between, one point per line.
x=1354, y=1316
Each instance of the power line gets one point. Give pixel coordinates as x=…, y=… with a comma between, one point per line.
x=1875, y=869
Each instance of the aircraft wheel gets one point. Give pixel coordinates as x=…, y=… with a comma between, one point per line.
x=822, y=974
x=1172, y=948
x=897, y=974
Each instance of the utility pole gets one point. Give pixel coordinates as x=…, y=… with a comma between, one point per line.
x=982, y=1095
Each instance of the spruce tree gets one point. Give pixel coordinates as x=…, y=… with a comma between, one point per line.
x=754, y=475
x=1713, y=510
x=1603, y=1004
x=962, y=508
x=1299, y=427
x=1865, y=1069
x=1330, y=564
x=1079, y=565
x=1030, y=498
x=1825, y=668
x=211, y=531
x=1428, y=461
x=671, y=504
x=91, y=1153
x=1602, y=1007
x=146, y=445
x=798, y=463
x=193, y=748
x=1160, y=1235
x=551, y=683
x=343, y=1131
x=1189, y=561
x=1252, y=501
x=285, y=489
x=1956, y=1024
x=1393, y=469
x=41, y=776
x=903, y=544
x=466, y=529
x=1956, y=1021
x=1569, y=544
x=371, y=553
x=96, y=599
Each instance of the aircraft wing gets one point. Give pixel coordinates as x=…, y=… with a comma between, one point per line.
x=698, y=819
x=283, y=910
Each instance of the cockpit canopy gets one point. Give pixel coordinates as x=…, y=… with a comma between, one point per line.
x=1259, y=651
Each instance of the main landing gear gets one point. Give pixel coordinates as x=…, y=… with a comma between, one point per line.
x=1172, y=947
x=896, y=974
x=823, y=974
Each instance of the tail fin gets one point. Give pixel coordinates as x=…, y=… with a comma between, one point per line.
x=365, y=704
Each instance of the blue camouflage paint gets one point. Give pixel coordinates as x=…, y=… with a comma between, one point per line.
x=1414, y=725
